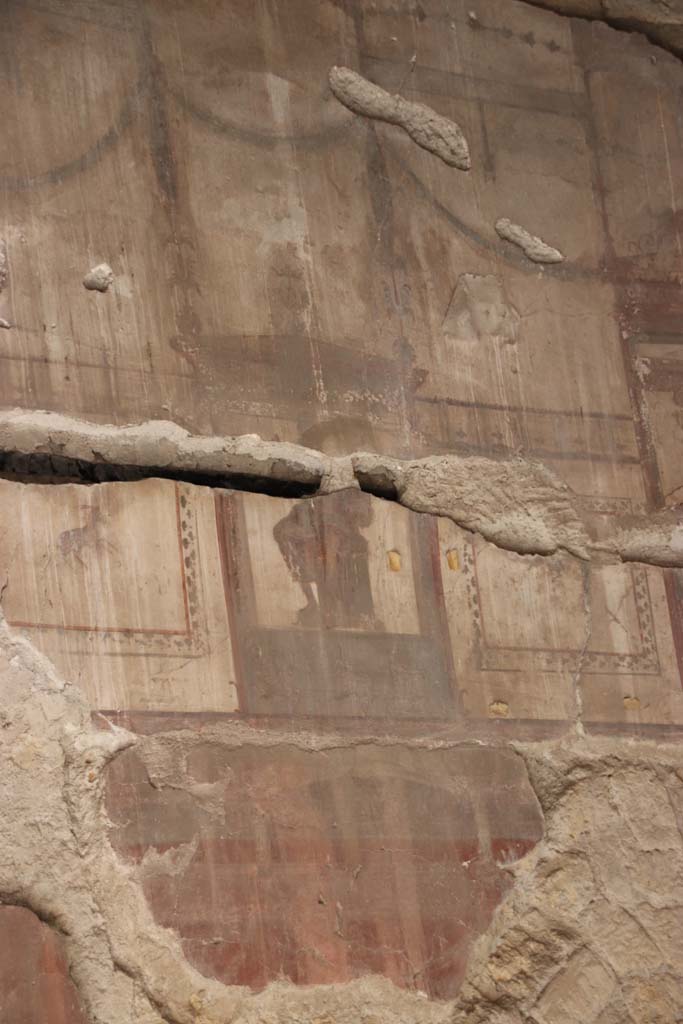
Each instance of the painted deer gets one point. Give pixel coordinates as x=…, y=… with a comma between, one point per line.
x=73, y=542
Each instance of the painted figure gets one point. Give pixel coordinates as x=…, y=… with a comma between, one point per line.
x=327, y=555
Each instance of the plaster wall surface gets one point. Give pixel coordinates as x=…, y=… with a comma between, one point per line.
x=341, y=552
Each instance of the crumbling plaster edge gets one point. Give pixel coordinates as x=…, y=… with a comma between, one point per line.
x=99, y=911
x=107, y=927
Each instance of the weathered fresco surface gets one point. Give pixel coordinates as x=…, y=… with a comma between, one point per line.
x=286, y=267
x=324, y=689
x=170, y=603
x=326, y=866
x=190, y=610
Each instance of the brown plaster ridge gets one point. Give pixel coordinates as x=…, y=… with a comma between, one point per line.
x=49, y=448
x=659, y=21
x=514, y=502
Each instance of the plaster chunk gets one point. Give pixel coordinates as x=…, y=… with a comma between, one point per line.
x=158, y=444
x=517, y=504
x=531, y=245
x=430, y=130
x=99, y=278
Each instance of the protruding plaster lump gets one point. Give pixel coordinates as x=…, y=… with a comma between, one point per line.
x=432, y=131
x=531, y=245
x=99, y=278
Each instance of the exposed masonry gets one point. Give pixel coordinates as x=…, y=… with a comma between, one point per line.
x=515, y=502
x=531, y=245
x=593, y=919
x=428, y=129
x=591, y=930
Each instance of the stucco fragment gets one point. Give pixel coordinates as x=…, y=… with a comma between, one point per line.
x=432, y=131
x=339, y=474
x=656, y=539
x=515, y=503
x=531, y=245
x=99, y=278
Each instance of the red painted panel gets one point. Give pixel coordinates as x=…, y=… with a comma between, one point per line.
x=35, y=987
x=324, y=866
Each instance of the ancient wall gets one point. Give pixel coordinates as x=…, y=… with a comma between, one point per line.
x=341, y=547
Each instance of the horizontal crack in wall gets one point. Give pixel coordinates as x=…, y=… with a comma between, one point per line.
x=56, y=447
x=41, y=468
x=514, y=502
